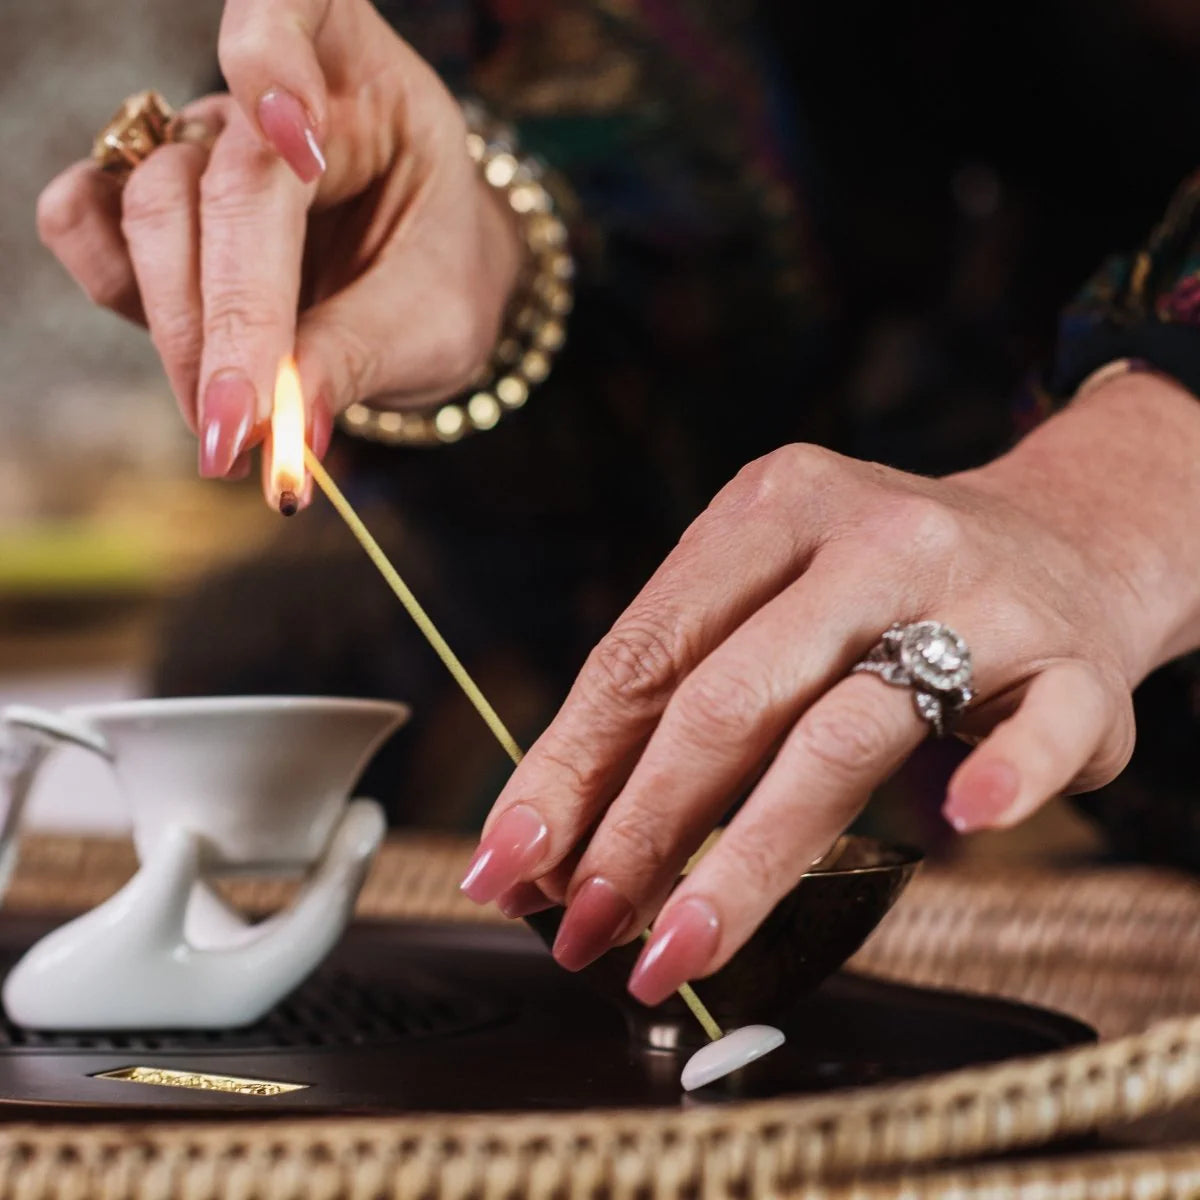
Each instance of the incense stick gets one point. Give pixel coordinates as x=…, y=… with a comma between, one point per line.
x=412, y=605
x=452, y=663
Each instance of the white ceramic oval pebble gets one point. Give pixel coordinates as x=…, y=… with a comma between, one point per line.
x=730, y=1053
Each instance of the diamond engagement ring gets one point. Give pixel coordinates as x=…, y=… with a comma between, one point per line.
x=930, y=659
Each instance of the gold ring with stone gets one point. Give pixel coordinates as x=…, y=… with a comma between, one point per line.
x=144, y=122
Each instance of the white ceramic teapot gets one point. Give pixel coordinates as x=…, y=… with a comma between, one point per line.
x=215, y=786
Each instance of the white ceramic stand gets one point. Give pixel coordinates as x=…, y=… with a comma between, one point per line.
x=219, y=786
x=154, y=957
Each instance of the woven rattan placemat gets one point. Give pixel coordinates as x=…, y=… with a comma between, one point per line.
x=1117, y=948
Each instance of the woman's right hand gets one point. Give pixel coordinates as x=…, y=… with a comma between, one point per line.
x=337, y=215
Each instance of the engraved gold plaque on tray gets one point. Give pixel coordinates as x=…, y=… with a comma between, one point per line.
x=202, y=1082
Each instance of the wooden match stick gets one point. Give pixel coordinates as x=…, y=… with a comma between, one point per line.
x=452, y=663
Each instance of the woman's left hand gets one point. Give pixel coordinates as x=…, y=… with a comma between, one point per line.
x=738, y=653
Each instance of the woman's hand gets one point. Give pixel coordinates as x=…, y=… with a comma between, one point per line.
x=379, y=255
x=1054, y=564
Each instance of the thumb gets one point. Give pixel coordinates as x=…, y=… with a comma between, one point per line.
x=268, y=56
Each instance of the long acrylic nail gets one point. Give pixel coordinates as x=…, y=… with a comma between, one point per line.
x=523, y=901
x=983, y=798
x=288, y=127
x=226, y=416
x=512, y=848
x=682, y=945
x=320, y=426
x=596, y=919
x=240, y=469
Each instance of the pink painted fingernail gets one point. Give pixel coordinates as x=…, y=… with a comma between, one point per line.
x=511, y=849
x=240, y=469
x=320, y=427
x=523, y=900
x=982, y=798
x=682, y=945
x=288, y=127
x=226, y=416
x=595, y=921
x=304, y=500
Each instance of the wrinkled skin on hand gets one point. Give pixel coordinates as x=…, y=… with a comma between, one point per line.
x=731, y=671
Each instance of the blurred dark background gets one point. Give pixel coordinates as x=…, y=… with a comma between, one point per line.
x=851, y=223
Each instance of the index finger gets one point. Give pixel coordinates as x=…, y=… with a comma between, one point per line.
x=253, y=216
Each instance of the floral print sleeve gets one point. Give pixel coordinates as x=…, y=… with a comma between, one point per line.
x=1142, y=307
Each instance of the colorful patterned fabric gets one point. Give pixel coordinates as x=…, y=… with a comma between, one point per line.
x=1143, y=306
x=848, y=224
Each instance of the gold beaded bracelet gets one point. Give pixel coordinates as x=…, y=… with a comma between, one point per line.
x=535, y=325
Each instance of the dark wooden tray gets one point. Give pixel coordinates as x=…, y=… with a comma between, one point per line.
x=420, y=1018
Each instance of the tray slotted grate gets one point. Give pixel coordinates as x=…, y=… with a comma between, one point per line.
x=333, y=1009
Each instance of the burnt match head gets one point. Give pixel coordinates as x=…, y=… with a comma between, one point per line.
x=289, y=505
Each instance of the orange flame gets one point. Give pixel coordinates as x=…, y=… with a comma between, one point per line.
x=287, y=472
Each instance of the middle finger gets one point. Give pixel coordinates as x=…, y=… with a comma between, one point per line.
x=161, y=223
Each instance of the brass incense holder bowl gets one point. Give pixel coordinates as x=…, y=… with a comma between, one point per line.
x=810, y=933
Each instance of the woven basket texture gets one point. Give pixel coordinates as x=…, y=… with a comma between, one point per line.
x=1117, y=948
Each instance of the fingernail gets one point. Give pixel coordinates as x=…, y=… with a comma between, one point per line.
x=982, y=798
x=683, y=943
x=240, y=469
x=288, y=127
x=320, y=427
x=511, y=849
x=595, y=921
x=523, y=901
x=226, y=415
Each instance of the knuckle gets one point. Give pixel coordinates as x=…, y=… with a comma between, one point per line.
x=231, y=187
x=219, y=190
x=756, y=858
x=1118, y=747
x=175, y=335
x=762, y=482
x=580, y=771
x=106, y=288
x=721, y=708
x=846, y=738
x=1104, y=701
x=637, y=663
x=1018, y=625
x=357, y=363
x=61, y=207
x=154, y=195
x=232, y=313
x=639, y=837
x=924, y=525
x=243, y=47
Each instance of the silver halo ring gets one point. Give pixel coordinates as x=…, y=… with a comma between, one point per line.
x=933, y=662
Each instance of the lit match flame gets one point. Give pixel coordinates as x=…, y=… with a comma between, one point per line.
x=286, y=443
